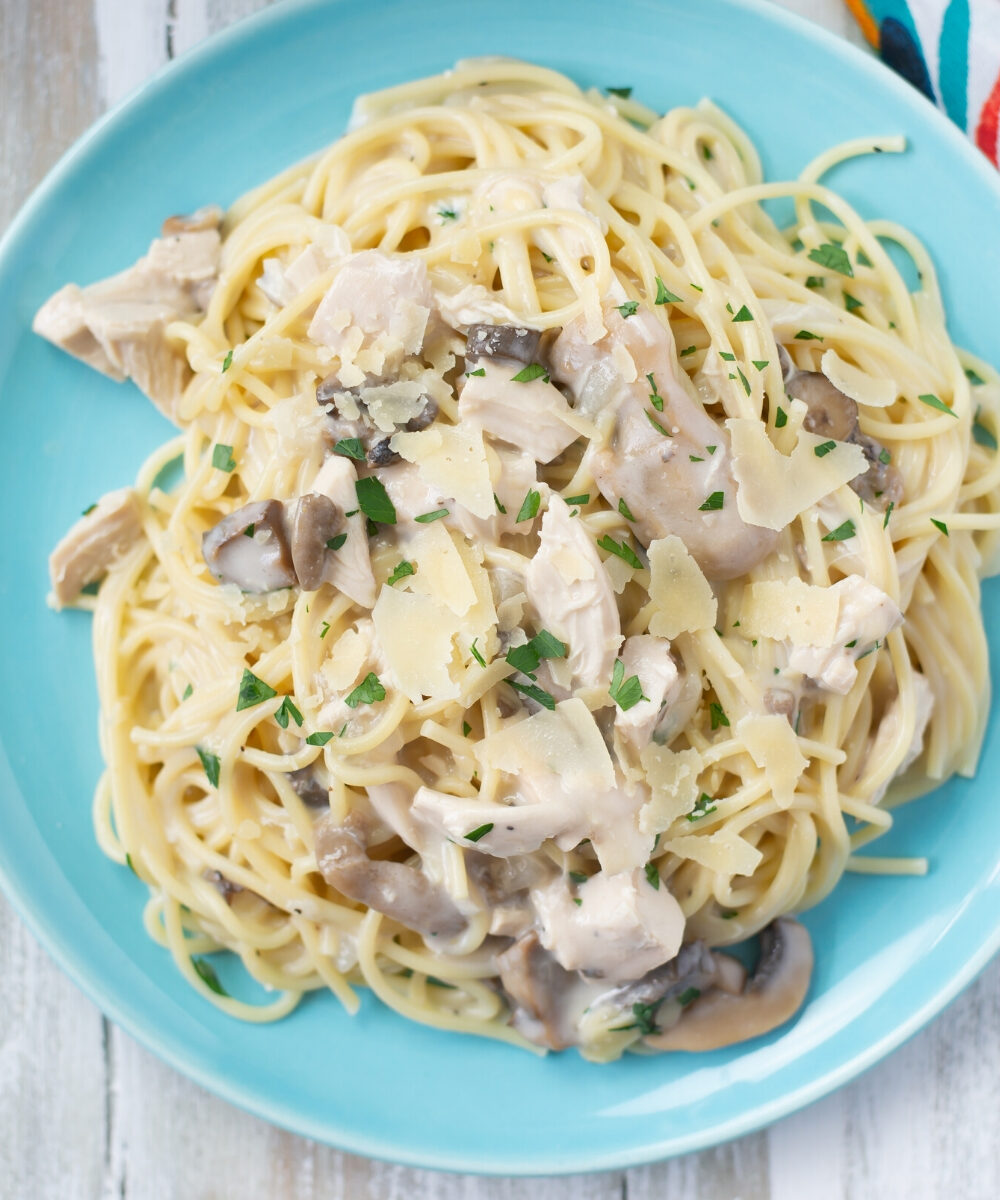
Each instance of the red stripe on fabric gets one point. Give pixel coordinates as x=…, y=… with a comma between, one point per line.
x=989, y=124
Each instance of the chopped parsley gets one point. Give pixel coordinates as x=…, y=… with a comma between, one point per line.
x=368, y=691
x=780, y=419
x=527, y=657
x=222, y=457
x=188, y=691
x=479, y=373
x=888, y=513
x=833, y=257
x=318, y=739
x=688, y=350
x=447, y=214
x=578, y=877
x=729, y=914
x=88, y=510
x=206, y=971
x=718, y=715
x=714, y=502
x=974, y=377
x=466, y=729
x=695, y=458
x=870, y=650
x=940, y=525
x=654, y=396
x=501, y=508
x=688, y=996
x=653, y=875
x=476, y=654
x=815, y=281
x=227, y=362
x=287, y=710
x=530, y=372
x=622, y=92
x=655, y=423
x=400, y=571
x=933, y=402
x=664, y=295
x=626, y=693
x=536, y=693
x=373, y=500
x=583, y=498
x=884, y=457
x=824, y=448
x=703, y=807
x=760, y=363
x=804, y=335
x=711, y=449
x=253, y=691
x=427, y=517
x=578, y=901
x=982, y=436
x=624, y=509
x=725, y=354
x=852, y=302
x=644, y=1019
x=529, y=506
x=841, y=533
x=210, y=762
x=743, y=315
x=249, y=531
x=335, y=543
x=622, y=549
x=629, y=308
x=350, y=448
x=475, y=834
x=744, y=381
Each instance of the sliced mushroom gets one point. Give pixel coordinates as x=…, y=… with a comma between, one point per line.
x=780, y=701
x=308, y=788
x=314, y=520
x=395, y=889
x=516, y=343
x=209, y=216
x=250, y=548
x=380, y=454
x=226, y=888
x=695, y=969
x=537, y=988
x=833, y=414
x=773, y=993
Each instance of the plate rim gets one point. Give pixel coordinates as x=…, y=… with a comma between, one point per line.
x=280, y=1113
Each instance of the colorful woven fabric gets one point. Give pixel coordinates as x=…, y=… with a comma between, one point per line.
x=950, y=50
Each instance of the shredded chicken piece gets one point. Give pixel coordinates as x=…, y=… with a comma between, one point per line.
x=94, y=543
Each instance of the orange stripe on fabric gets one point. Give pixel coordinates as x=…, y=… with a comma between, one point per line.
x=869, y=26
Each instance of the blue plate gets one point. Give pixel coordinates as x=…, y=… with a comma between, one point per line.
x=890, y=952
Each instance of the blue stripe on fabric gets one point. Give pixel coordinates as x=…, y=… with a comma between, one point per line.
x=953, y=71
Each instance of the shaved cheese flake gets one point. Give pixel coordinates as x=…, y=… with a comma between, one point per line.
x=567, y=743
x=722, y=852
x=346, y=658
x=452, y=460
x=393, y=404
x=673, y=776
x=440, y=571
x=771, y=743
x=683, y=596
x=791, y=608
x=773, y=489
x=415, y=634
x=857, y=384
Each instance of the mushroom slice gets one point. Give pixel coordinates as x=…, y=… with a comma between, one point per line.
x=537, y=988
x=97, y=540
x=226, y=888
x=516, y=343
x=250, y=548
x=315, y=519
x=773, y=993
x=305, y=784
x=395, y=889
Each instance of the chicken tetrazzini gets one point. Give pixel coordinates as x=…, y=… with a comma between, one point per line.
x=566, y=561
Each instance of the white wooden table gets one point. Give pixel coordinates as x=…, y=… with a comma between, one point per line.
x=87, y=1114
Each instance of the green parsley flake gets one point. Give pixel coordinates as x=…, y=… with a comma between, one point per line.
x=350, y=448
x=476, y=654
x=717, y=715
x=974, y=377
x=744, y=381
x=940, y=525
x=466, y=729
x=824, y=448
x=711, y=449
x=447, y=214
x=743, y=315
x=583, y=498
x=324, y=630
x=436, y=515
x=206, y=972
x=654, y=396
x=695, y=458
x=714, y=502
x=655, y=423
x=373, y=500
x=841, y=533
x=983, y=436
x=536, y=693
x=624, y=509
x=622, y=92
x=724, y=354
x=888, y=514
x=704, y=806
x=629, y=308
x=88, y=510
x=578, y=877
x=577, y=900
x=664, y=295
x=626, y=693
x=368, y=691
x=529, y=506
x=688, y=350
x=688, y=996
x=530, y=372
x=318, y=739
x=527, y=657
x=884, y=457
x=222, y=457
x=253, y=691
x=760, y=363
x=481, y=372
x=833, y=257
x=336, y=542
x=227, y=362
x=250, y=529
x=188, y=691
x=400, y=571
x=729, y=914
x=852, y=302
x=501, y=508
x=475, y=834
x=933, y=402
x=210, y=762
x=622, y=549
x=815, y=281
x=287, y=710
x=653, y=875
x=805, y=336
x=780, y=419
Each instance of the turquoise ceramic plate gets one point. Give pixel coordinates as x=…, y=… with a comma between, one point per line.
x=890, y=952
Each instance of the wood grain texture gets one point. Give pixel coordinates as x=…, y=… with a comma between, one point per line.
x=87, y=1114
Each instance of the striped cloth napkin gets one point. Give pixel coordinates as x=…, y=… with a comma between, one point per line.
x=950, y=50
